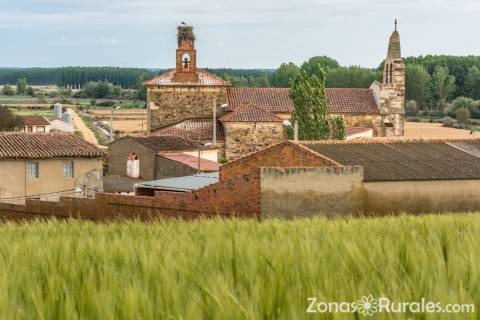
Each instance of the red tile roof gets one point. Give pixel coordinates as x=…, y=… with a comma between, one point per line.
x=351, y=100
x=277, y=100
x=22, y=145
x=250, y=113
x=204, y=79
x=194, y=129
x=165, y=142
x=34, y=121
x=270, y=99
x=191, y=161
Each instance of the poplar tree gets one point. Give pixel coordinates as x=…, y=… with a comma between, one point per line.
x=310, y=110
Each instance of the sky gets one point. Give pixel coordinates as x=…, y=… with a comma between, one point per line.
x=230, y=33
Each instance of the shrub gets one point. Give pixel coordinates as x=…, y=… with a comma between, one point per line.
x=411, y=109
x=93, y=102
x=412, y=119
x=448, y=122
x=107, y=103
x=8, y=90
x=463, y=116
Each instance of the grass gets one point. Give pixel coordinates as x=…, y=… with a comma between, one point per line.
x=89, y=123
x=235, y=269
x=30, y=112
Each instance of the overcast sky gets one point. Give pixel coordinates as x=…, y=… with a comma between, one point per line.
x=230, y=33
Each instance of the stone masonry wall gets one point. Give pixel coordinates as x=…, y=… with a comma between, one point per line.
x=167, y=105
x=373, y=121
x=242, y=138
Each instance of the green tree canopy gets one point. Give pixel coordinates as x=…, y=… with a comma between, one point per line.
x=315, y=65
x=310, y=108
x=418, y=85
x=8, y=90
x=285, y=74
x=21, y=86
x=443, y=84
x=8, y=120
x=472, y=82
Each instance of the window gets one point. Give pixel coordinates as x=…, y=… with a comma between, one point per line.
x=29, y=129
x=33, y=169
x=68, y=169
x=40, y=129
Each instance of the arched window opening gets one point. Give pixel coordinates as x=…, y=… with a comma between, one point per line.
x=391, y=73
x=133, y=166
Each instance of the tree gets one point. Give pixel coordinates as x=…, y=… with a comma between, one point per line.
x=8, y=120
x=418, y=85
x=285, y=74
x=463, y=116
x=315, y=65
x=30, y=91
x=310, y=110
x=8, y=90
x=472, y=82
x=21, y=86
x=443, y=85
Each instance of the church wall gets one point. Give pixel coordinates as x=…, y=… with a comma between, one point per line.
x=373, y=121
x=243, y=138
x=172, y=104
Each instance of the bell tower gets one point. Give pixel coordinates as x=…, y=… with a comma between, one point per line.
x=186, y=60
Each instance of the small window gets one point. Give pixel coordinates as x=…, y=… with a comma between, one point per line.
x=68, y=169
x=40, y=129
x=29, y=129
x=33, y=169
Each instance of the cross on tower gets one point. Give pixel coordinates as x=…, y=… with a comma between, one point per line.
x=396, y=22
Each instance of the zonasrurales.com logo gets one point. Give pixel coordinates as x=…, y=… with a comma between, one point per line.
x=369, y=305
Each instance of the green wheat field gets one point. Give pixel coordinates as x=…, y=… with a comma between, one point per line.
x=232, y=269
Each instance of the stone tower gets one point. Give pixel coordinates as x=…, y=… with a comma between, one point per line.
x=391, y=93
x=186, y=59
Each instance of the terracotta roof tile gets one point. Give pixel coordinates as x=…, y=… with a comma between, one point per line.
x=270, y=99
x=165, y=142
x=277, y=100
x=22, y=145
x=351, y=100
x=404, y=159
x=204, y=79
x=191, y=161
x=250, y=113
x=194, y=129
x=34, y=121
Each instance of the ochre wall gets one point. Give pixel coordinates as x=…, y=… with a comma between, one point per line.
x=242, y=138
x=167, y=105
x=305, y=192
x=422, y=196
x=373, y=121
x=51, y=178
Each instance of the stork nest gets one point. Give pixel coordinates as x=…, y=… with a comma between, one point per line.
x=185, y=33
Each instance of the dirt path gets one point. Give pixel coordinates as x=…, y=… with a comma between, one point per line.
x=82, y=127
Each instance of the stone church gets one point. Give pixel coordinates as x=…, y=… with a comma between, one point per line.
x=195, y=104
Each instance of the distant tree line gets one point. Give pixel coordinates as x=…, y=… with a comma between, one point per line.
x=76, y=77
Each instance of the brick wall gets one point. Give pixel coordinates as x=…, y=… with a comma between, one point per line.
x=237, y=193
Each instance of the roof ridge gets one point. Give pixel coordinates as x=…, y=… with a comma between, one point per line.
x=247, y=106
x=387, y=140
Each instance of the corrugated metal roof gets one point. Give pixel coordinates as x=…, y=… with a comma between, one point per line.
x=182, y=184
x=404, y=160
